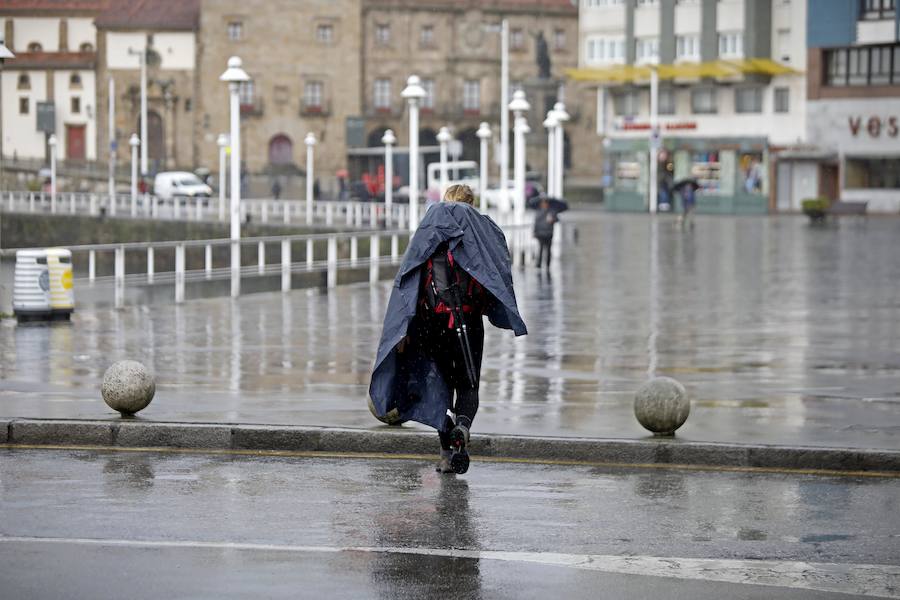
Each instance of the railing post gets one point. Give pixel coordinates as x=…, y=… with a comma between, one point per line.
x=176, y=208
x=31, y=202
x=133, y=204
x=153, y=205
x=207, y=260
x=309, y=254
x=261, y=257
x=235, y=269
x=72, y=203
x=332, y=262
x=120, y=277
x=150, y=264
x=285, y=265
x=179, y=273
x=265, y=211
x=112, y=205
x=401, y=220
x=199, y=208
x=92, y=265
x=373, y=215
x=395, y=247
x=349, y=212
x=329, y=214
x=357, y=217
x=354, y=250
x=374, y=257
x=286, y=210
x=93, y=206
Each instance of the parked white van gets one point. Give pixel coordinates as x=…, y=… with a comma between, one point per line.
x=179, y=184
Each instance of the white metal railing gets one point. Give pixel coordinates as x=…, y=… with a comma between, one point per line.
x=350, y=214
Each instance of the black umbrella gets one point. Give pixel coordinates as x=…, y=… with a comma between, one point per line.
x=685, y=182
x=557, y=205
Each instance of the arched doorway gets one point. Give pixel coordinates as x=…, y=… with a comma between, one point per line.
x=374, y=139
x=471, y=145
x=156, y=139
x=281, y=150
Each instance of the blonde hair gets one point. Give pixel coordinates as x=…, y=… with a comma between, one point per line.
x=460, y=193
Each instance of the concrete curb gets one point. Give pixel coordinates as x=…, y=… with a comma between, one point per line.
x=225, y=436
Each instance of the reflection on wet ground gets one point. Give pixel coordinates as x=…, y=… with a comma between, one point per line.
x=781, y=332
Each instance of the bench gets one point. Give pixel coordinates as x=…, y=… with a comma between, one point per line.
x=840, y=208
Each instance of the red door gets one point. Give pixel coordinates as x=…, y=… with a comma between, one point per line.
x=75, y=148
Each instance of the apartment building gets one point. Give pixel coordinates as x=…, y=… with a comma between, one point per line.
x=731, y=95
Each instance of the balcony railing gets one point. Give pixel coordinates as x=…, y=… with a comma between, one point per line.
x=252, y=107
x=315, y=109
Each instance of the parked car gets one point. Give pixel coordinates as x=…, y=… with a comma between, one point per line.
x=179, y=184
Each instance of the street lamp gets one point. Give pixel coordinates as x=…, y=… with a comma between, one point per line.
x=142, y=57
x=413, y=93
x=222, y=143
x=234, y=76
x=519, y=106
x=654, y=139
x=111, y=133
x=559, y=148
x=310, y=142
x=551, y=123
x=444, y=138
x=484, y=134
x=134, y=142
x=52, y=142
x=389, y=139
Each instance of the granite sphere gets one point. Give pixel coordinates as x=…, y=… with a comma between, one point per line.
x=661, y=405
x=128, y=387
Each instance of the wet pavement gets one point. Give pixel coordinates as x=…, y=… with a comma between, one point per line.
x=781, y=332
x=83, y=524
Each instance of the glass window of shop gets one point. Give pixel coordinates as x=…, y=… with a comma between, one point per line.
x=705, y=168
x=628, y=170
x=751, y=173
x=872, y=173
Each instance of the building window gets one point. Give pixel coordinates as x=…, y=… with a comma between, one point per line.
x=23, y=106
x=873, y=173
x=687, y=47
x=325, y=33
x=646, y=50
x=559, y=39
x=383, y=94
x=782, y=100
x=731, y=45
x=75, y=81
x=783, y=45
x=862, y=66
x=428, y=100
x=602, y=3
x=516, y=39
x=627, y=103
x=748, y=99
x=24, y=82
x=76, y=105
x=86, y=47
x=648, y=2
x=235, y=31
x=666, y=101
x=601, y=50
x=471, y=95
x=246, y=93
x=426, y=36
x=704, y=100
x=35, y=47
x=312, y=95
x=877, y=9
x=382, y=34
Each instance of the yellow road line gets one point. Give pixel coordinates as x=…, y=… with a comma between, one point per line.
x=486, y=459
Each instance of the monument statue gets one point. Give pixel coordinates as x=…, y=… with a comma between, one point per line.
x=542, y=55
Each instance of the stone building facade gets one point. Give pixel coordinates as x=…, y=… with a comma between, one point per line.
x=304, y=59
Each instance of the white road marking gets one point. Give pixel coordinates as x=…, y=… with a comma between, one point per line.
x=877, y=581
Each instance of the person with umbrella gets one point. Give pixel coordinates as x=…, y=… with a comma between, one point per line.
x=687, y=188
x=545, y=220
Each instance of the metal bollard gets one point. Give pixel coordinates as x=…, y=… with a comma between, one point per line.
x=179, y=273
x=235, y=269
x=120, y=277
x=208, y=260
x=374, y=257
x=150, y=265
x=285, y=265
x=92, y=265
x=261, y=257
x=309, y=254
x=332, y=263
x=354, y=250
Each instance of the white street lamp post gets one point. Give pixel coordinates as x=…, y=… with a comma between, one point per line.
x=504, y=117
x=559, y=148
x=111, y=127
x=52, y=142
x=413, y=93
x=4, y=54
x=134, y=142
x=444, y=138
x=484, y=134
x=310, y=142
x=142, y=57
x=551, y=123
x=389, y=139
x=234, y=75
x=519, y=106
x=222, y=142
x=654, y=139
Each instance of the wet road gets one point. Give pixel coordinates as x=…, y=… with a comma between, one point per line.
x=114, y=524
x=781, y=332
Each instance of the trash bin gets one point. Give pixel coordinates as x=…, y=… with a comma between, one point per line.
x=43, y=285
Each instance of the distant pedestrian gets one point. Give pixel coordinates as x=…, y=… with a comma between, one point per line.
x=544, y=223
x=276, y=189
x=688, y=202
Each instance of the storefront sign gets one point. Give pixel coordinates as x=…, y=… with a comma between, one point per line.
x=674, y=126
x=875, y=126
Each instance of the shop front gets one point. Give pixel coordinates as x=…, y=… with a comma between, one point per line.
x=732, y=174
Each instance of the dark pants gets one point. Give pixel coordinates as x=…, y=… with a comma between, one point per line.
x=442, y=345
x=544, y=249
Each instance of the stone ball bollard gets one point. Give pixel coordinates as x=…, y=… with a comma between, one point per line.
x=128, y=387
x=661, y=405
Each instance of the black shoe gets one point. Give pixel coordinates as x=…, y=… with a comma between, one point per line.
x=459, y=459
x=443, y=465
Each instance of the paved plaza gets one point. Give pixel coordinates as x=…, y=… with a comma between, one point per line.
x=782, y=333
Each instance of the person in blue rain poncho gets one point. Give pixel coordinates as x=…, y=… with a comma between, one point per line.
x=455, y=271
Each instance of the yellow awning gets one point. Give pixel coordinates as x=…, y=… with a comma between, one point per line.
x=685, y=70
